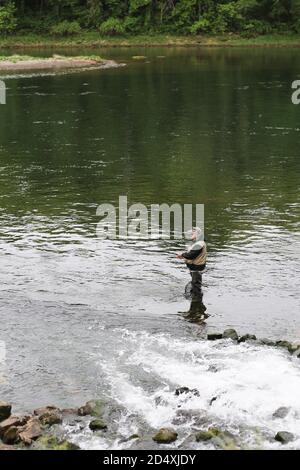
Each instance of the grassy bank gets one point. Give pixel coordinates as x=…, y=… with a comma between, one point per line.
x=93, y=39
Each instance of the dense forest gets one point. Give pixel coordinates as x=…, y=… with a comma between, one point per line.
x=114, y=17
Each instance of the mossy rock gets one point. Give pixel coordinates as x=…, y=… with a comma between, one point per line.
x=203, y=436
x=97, y=425
x=165, y=436
x=92, y=408
x=51, y=442
x=284, y=344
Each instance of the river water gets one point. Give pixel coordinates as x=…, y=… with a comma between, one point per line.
x=82, y=317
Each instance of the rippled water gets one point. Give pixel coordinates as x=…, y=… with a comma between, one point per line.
x=81, y=317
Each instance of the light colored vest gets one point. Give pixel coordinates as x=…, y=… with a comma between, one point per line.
x=201, y=259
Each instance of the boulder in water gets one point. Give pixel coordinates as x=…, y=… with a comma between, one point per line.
x=97, y=425
x=284, y=344
x=51, y=442
x=165, y=436
x=214, y=336
x=49, y=415
x=284, y=437
x=5, y=410
x=91, y=408
x=181, y=390
x=230, y=333
x=247, y=337
x=15, y=421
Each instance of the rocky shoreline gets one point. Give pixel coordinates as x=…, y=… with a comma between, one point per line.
x=44, y=428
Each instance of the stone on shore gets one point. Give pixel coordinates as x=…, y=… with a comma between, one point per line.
x=247, y=337
x=11, y=436
x=91, y=408
x=97, y=425
x=230, y=334
x=214, y=336
x=16, y=421
x=284, y=344
x=165, y=436
x=5, y=410
x=284, y=437
x=31, y=431
x=49, y=415
x=281, y=412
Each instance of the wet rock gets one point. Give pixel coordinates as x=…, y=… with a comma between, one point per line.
x=297, y=353
x=91, y=408
x=203, y=436
x=226, y=441
x=11, y=436
x=49, y=415
x=247, y=337
x=267, y=342
x=230, y=334
x=5, y=410
x=294, y=348
x=133, y=437
x=281, y=412
x=31, y=431
x=165, y=436
x=97, y=425
x=284, y=344
x=51, y=442
x=284, y=437
x=181, y=390
x=16, y=421
x=69, y=411
x=214, y=336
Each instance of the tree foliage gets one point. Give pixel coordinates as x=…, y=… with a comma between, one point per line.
x=137, y=16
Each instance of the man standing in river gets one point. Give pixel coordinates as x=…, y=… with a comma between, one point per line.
x=195, y=259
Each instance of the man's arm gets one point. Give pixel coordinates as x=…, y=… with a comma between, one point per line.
x=192, y=254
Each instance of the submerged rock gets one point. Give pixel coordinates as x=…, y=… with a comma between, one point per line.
x=97, y=425
x=5, y=410
x=91, y=408
x=247, y=337
x=284, y=437
x=165, y=436
x=281, y=412
x=214, y=336
x=230, y=334
x=181, y=390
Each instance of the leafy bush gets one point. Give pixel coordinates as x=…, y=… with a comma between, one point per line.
x=133, y=24
x=66, y=28
x=112, y=27
x=8, y=21
x=204, y=25
x=256, y=27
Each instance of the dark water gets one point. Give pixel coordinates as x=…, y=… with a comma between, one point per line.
x=81, y=317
